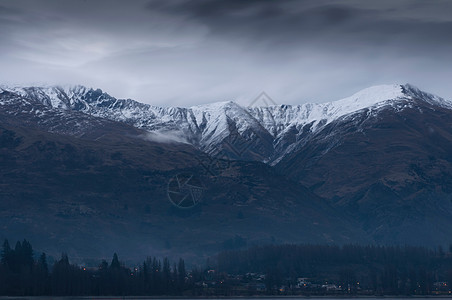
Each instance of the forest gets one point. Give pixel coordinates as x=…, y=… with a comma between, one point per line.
x=22, y=274
x=258, y=270
x=373, y=270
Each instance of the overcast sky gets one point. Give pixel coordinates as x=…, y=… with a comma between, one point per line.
x=192, y=52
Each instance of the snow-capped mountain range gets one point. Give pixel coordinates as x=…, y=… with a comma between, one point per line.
x=378, y=162
x=274, y=131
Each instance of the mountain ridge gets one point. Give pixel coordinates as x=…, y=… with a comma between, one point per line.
x=208, y=126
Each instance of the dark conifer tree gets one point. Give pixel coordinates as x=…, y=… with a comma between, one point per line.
x=181, y=272
x=115, y=262
x=41, y=276
x=6, y=253
x=26, y=254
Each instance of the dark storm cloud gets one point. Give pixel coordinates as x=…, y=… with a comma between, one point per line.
x=5, y=11
x=329, y=21
x=258, y=19
x=186, y=52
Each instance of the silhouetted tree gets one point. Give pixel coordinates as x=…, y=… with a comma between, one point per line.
x=115, y=262
x=41, y=275
x=6, y=254
x=61, y=276
x=181, y=273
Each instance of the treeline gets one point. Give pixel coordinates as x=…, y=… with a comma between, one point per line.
x=275, y=269
x=22, y=274
x=377, y=269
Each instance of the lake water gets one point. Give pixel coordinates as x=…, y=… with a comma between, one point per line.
x=223, y=298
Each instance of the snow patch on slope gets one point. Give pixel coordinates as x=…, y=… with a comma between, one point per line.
x=370, y=97
x=278, y=118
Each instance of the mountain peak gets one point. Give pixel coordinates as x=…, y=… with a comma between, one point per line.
x=372, y=95
x=415, y=93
